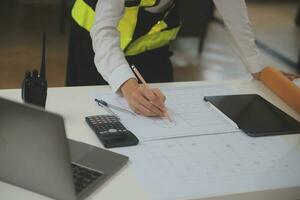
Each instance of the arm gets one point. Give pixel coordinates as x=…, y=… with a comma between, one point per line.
x=112, y=65
x=109, y=57
x=235, y=15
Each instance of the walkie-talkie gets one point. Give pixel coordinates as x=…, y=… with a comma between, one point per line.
x=34, y=85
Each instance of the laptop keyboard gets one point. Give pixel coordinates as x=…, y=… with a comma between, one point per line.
x=83, y=177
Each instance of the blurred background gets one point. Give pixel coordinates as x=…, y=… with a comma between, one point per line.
x=202, y=51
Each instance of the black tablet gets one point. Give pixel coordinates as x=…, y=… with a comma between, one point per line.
x=255, y=115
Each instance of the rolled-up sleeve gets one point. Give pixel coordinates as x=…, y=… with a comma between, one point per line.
x=235, y=15
x=109, y=57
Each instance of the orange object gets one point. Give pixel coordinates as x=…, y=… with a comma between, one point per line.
x=282, y=87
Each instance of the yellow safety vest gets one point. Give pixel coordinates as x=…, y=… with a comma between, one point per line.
x=159, y=35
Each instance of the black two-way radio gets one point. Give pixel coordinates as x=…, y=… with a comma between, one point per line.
x=34, y=85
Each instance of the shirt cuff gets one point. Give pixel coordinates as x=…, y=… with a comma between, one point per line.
x=119, y=76
x=254, y=64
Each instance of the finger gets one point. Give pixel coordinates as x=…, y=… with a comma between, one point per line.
x=287, y=74
x=140, y=99
x=160, y=95
x=151, y=106
x=163, y=99
x=290, y=75
x=154, y=99
x=135, y=102
x=256, y=75
x=143, y=110
x=134, y=109
x=291, y=78
x=140, y=110
x=148, y=93
x=137, y=111
x=294, y=76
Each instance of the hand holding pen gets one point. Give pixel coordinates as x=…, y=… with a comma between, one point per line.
x=157, y=92
x=143, y=99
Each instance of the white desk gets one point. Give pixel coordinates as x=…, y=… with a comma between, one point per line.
x=74, y=103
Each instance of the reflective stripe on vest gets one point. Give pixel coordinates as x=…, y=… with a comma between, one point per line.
x=127, y=26
x=83, y=14
x=155, y=38
x=141, y=3
x=158, y=36
x=148, y=3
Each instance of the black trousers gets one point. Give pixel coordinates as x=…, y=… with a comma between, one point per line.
x=154, y=65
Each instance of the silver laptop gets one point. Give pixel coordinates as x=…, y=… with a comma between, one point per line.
x=35, y=154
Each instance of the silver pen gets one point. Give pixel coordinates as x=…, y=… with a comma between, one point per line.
x=107, y=105
x=107, y=109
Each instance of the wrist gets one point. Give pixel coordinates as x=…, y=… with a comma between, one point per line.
x=129, y=86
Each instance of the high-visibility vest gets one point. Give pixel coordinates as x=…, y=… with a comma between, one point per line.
x=161, y=34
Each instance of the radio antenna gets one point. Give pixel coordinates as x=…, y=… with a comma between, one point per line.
x=43, y=64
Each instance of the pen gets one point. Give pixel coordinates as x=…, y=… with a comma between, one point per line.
x=146, y=85
x=107, y=109
x=104, y=103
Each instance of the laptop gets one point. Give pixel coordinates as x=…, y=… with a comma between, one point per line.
x=36, y=155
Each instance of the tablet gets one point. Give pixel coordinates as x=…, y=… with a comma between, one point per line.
x=254, y=115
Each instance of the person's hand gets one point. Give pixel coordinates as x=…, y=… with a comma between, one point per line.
x=256, y=76
x=143, y=100
x=290, y=76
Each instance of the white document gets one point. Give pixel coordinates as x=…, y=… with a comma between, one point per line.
x=213, y=165
x=190, y=114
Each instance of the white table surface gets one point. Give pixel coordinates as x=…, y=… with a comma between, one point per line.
x=74, y=103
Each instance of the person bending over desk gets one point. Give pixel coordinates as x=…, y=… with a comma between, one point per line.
x=138, y=32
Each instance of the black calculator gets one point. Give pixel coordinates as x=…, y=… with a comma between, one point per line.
x=111, y=131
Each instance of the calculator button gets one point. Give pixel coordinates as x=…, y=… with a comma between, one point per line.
x=112, y=130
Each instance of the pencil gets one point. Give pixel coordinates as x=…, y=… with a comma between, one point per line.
x=146, y=85
x=139, y=75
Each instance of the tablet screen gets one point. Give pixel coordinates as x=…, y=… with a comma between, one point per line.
x=255, y=115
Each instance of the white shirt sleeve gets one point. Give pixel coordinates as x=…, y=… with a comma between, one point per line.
x=235, y=15
x=109, y=57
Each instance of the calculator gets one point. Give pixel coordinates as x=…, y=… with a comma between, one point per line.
x=111, y=131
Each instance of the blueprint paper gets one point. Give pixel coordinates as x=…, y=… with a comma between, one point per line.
x=214, y=165
x=190, y=114
x=202, y=154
